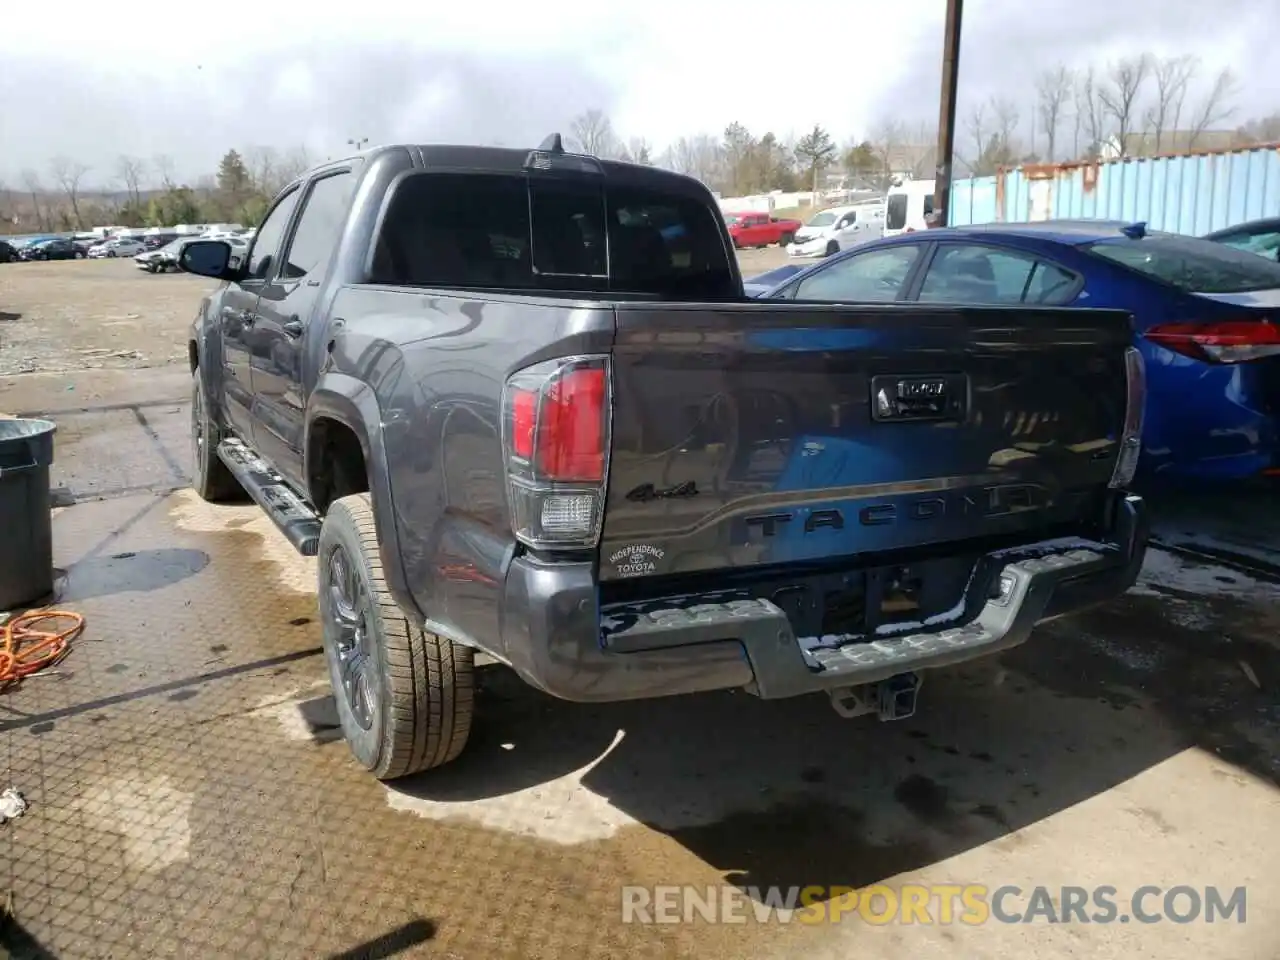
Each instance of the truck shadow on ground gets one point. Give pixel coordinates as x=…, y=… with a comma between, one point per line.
x=788, y=793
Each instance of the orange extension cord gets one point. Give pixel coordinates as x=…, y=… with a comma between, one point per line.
x=26, y=649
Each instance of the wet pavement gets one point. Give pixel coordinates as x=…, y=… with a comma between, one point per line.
x=190, y=794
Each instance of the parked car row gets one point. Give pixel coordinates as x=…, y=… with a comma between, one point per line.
x=57, y=248
x=129, y=246
x=1205, y=314
x=165, y=259
x=93, y=247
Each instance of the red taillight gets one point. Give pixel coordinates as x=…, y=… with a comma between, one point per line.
x=571, y=431
x=1231, y=341
x=524, y=417
x=556, y=421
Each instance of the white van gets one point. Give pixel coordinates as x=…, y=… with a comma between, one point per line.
x=906, y=206
x=836, y=229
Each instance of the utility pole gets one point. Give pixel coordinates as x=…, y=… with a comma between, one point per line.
x=358, y=143
x=947, y=113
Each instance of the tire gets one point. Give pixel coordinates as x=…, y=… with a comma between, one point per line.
x=111, y=254
x=832, y=248
x=785, y=239
x=210, y=478
x=79, y=254
x=405, y=696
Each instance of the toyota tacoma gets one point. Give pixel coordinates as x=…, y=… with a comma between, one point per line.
x=516, y=401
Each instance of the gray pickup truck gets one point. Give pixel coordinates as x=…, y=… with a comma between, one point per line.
x=516, y=401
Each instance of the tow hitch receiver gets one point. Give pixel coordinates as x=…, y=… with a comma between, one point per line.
x=892, y=699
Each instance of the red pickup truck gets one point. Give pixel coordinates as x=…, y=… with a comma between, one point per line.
x=760, y=229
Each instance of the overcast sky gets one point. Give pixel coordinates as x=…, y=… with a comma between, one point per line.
x=93, y=80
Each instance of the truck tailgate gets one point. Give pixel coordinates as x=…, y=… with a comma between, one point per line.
x=755, y=434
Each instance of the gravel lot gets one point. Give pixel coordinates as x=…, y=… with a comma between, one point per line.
x=88, y=314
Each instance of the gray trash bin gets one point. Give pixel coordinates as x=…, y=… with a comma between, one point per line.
x=26, y=525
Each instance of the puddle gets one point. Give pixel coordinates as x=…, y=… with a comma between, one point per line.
x=142, y=570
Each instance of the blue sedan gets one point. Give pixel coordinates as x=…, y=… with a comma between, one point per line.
x=1206, y=319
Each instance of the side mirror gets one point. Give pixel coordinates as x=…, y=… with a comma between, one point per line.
x=207, y=258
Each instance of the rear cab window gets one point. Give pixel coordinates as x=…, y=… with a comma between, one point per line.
x=1190, y=264
x=551, y=233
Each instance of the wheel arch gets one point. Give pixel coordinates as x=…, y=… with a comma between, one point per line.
x=343, y=407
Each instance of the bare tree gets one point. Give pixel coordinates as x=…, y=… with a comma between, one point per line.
x=699, y=156
x=976, y=126
x=294, y=164
x=67, y=174
x=1121, y=95
x=638, y=150
x=592, y=133
x=268, y=171
x=1172, y=76
x=1004, y=116
x=993, y=128
x=1090, y=108
x=35, y=189
x=130, y=171
x=887, y=137
x=1261, y=129
x=1053, y=89
x=1216, y=106
x=919, y=148
x=163, y=164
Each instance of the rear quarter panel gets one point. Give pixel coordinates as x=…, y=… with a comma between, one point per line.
x=437, y=363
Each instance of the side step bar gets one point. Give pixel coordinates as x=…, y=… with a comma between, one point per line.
x=297, y=521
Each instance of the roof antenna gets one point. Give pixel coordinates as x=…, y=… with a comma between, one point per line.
x=1135, y=231
x=553, y=144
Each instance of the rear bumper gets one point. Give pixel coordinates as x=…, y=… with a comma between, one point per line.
x=558, y=640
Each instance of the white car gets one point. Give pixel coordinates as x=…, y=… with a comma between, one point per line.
x=119, y=247
x=836, y=229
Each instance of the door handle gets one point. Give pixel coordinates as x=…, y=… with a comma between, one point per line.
x=292, y=328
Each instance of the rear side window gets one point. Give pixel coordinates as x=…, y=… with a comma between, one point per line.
x=1191, y=264
x=896, y=212
x=548, y=234
x=975, y=273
